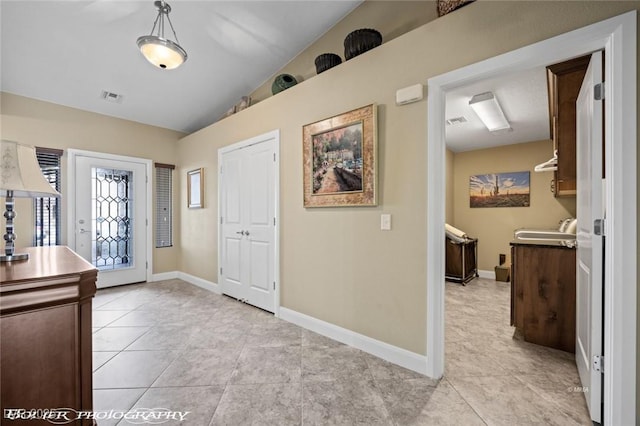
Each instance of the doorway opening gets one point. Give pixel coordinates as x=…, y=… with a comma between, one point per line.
x=617, y=37
x=496, y=327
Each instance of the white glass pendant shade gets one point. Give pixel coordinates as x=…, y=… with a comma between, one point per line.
x=162, y=53
x=156, y=47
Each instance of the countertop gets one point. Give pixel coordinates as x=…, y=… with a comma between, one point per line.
x=541, y=243
x=50, y=261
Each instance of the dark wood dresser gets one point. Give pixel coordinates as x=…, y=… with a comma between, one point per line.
x=45, y=332
x=543, y=293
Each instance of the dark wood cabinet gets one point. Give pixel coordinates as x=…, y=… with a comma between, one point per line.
x=563, y=83
x=461, y=260
x=543, y=294
x=46, y=332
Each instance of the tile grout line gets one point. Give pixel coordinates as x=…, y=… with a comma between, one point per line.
x=228, y=382
x=118, y=353
x=466, y=402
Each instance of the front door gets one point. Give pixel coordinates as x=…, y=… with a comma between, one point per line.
x=247, y=223
x=110, y=218
x=589, y=278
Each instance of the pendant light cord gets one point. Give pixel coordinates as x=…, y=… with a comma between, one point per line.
x=174, y=31
x=162, y=10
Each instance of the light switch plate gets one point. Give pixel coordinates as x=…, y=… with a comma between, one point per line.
x=385, y=222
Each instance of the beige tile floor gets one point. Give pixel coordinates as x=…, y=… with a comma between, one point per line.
x=173, y=345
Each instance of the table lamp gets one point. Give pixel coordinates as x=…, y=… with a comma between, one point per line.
x=20, y=176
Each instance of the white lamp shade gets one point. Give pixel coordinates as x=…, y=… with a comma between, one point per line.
x=161, y=52
x=20, y=172
x=486, y=106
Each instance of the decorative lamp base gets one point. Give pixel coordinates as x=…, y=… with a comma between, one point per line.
x=14, y=257
x=10, y=236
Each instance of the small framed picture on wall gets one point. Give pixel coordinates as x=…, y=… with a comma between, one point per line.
x=195, y=188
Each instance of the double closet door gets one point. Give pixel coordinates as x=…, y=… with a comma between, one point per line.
x=248, y=173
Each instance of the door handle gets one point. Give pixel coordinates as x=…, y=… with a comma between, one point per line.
x=246, y=233
x=243, y=232
x=82, y=231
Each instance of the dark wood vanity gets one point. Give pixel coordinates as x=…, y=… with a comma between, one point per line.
x=543, y=293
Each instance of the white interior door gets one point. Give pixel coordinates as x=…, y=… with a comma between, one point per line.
x=590, y=255
x=110, y=218
x=233, y=251
x=248, y=231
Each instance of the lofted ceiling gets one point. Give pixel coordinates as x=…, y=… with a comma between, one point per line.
x=524, y=100
x=68, y=52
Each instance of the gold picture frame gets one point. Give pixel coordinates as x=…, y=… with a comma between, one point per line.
x=340, y=160
x=195, y=188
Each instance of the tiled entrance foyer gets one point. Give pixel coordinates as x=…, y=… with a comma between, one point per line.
x=173, y=345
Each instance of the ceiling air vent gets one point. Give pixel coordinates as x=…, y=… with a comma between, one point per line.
x=456, y=120
x=111, y=97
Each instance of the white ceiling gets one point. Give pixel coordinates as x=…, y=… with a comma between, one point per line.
x=524, y=100
x=67, y=52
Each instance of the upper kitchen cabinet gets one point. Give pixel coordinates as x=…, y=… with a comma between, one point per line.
x=563, y=82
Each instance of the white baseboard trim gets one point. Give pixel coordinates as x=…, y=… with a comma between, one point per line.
x=487, y=274
x=199, y=282
x=164, y=276
x=394, y=354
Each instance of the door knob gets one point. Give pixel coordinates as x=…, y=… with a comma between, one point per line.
x=240, y=232
x=246, y=233
x=82, y=231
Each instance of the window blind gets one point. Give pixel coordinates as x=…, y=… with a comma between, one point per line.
x=47, y=209
x=164, y=213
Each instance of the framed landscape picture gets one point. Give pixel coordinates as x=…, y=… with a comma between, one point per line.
x=339, y=160
x=499, y=190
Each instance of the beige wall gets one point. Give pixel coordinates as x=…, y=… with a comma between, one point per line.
x=48, y=125
x=449, y=194
x=336, y=265
x=391, y=18
x=494, y=226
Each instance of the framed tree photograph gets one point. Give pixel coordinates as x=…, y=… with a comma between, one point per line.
x=195, y=188
x=339, y=160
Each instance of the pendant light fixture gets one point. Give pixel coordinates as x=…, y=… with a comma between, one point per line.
x=156, y=48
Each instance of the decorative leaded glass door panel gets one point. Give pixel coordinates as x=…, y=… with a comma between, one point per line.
x=110, y=218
